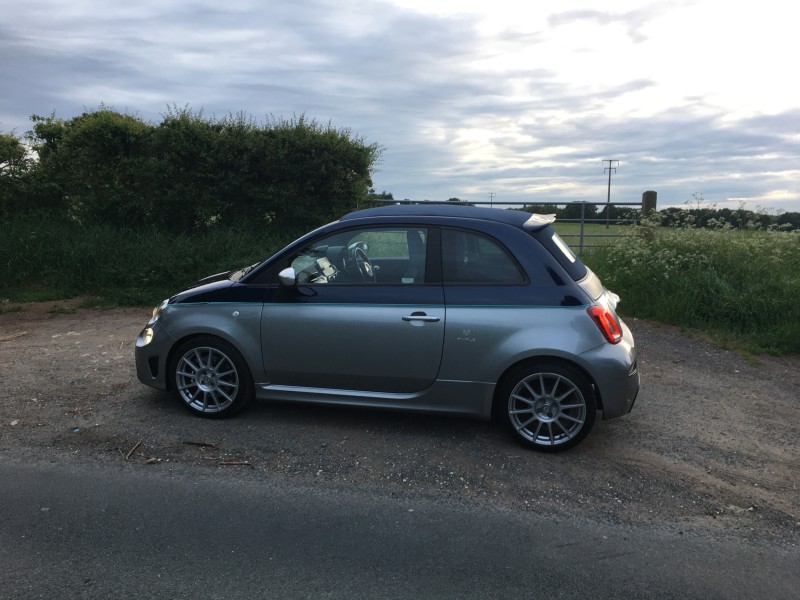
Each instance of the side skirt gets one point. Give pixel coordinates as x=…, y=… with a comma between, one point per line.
x=464, y=398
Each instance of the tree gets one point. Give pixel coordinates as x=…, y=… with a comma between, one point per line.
x=384, y=195
x=790, y=219
x=91, y=165
x=15, y=165
x=574, y=210
x=612, y=212
x=13, y=156
x=541, y=209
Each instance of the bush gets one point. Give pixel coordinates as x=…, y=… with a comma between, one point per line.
x=737, y=284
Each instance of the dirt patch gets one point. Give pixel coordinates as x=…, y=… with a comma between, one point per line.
x=711, y=442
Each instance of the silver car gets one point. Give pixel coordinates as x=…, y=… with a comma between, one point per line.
x=432, y=308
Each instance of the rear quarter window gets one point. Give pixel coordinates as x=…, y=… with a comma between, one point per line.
x=469, y=257
x=559, y=249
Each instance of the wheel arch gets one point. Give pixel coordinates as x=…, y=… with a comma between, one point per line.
x=216, y=370
x=173, y=351
x=543, y=359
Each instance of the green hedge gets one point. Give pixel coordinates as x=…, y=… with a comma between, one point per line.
x=186, y=172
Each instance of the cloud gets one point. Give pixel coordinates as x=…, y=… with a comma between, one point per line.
x=633, y=21
x=461, y=109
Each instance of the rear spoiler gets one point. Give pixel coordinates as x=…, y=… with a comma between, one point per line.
x=537, y=222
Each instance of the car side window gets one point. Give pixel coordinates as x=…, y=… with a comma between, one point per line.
x=468, y=257
x=365, y=256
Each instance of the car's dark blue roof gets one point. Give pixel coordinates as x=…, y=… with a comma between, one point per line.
x=460, y=211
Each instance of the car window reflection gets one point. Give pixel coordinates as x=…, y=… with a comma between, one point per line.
x=395, y=256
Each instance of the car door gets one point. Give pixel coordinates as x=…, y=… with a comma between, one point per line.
x=361, y=316
x=488, y=300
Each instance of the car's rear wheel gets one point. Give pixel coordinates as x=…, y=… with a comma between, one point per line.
x=211, y=377
x=548, y=407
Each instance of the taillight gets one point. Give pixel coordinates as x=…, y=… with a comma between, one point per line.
x=606, y=323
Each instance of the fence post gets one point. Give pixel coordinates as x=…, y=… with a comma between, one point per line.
x=583, y=220
x=648, y=203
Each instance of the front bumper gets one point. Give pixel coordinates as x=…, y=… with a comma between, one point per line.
x=152, y=353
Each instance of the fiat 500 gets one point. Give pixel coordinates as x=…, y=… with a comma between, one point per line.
x=456, y=310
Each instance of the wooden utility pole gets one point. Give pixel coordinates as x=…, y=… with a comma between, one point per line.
x=609, y=168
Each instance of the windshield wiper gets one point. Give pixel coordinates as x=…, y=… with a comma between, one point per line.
x=237, y=275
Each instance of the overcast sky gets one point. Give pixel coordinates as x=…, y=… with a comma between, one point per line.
x=523, y=99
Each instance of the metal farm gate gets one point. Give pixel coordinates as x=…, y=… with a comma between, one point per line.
x=583, y=238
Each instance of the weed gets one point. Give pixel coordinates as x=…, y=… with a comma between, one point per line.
x=59, y=309
x=742, y=285
x=98, y=303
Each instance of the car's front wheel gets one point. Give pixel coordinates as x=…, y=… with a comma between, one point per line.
x=211, y=377
x=548, y=406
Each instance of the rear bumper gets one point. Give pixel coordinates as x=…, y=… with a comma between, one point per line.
x=618, y=401
x=616, y=375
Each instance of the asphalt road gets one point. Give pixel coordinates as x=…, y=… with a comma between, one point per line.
x=75, y=530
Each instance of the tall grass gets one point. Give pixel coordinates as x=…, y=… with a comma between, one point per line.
x=52, y=260
x=735, y=285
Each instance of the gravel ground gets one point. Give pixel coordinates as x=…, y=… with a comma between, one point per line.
x=711, y=444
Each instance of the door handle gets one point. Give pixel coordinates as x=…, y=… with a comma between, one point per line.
x=421, y=316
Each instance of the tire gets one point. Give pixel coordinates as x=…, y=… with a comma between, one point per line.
x=211, y=377
x=548, y=407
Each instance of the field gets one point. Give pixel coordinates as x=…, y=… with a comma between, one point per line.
x=595, y=234
x=739, y=287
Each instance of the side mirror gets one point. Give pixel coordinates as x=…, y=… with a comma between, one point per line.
x=288, y=276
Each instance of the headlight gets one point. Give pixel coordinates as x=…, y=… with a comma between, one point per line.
x=157, y=311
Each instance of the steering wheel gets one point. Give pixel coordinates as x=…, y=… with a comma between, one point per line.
x=363, y=265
